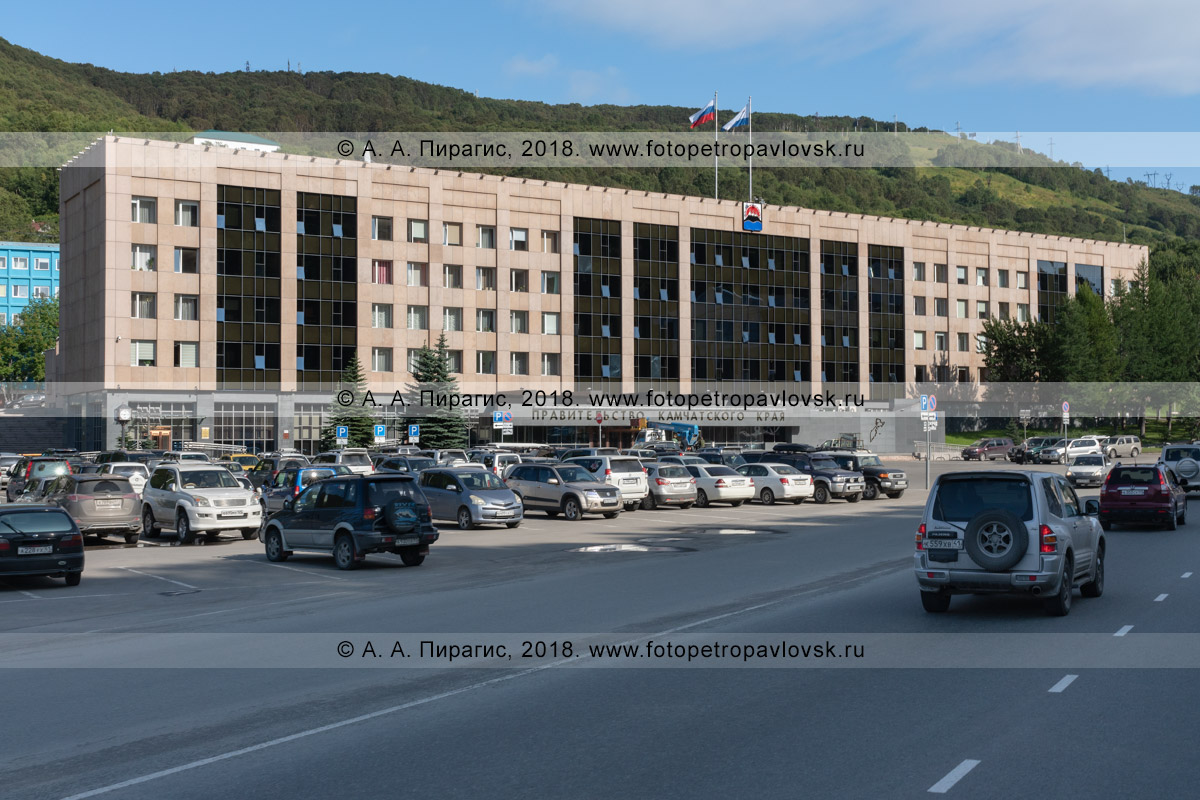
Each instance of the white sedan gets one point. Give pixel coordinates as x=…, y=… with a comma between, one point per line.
x=778, y=482
x=716, y=483
x=135, y=471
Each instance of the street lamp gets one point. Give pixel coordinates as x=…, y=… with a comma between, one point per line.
x=123, y=415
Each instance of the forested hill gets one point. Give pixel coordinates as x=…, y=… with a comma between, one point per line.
x=39, y=93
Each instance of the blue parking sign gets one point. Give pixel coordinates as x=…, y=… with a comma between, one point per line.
x=924, y=402
x=414, y=431
x=342, y=432
x=380, y=431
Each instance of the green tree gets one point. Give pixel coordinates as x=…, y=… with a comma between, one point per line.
x=23, y=347
x=1018, y=352
x=442, y=426
x=1087, y=340
x=356, y=414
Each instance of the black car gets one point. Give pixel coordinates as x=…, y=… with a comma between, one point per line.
x=40, y=540
x=881, y=479
x=829, y=478
x=266, y=469
x=350, y=516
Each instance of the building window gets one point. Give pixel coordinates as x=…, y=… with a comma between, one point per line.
x=487, y=237
x=452, y=319
x=962, y=342
x=3, y=262
x=20, y=262
x=20, y=292
x=981, y=309
x=187, y=354
x=1002, y=278
x=518, y=321
x=454, y=361
x=414, y=359
x=142, y=305
x=145, y=209
x=485, y=320
x=980, y=343
x=549, y=241
x=939, y=273
x=381, y=272
x=960, y=309
x=1022, y=312
x=981, y=276
x=918, y=270
x=418, y=274
x=381, y=229
x=485, y=279
x=518, y=239
x=187, y=260
x=451, y=276
x=41, y=264
x=16, y=320
x=518, y=280
x=1022, y=279
x=141, y=353
x=418, y=231
x=187, y=307
x=418, y=318
x=381, y=315
x=550, y=323
x=141, y=258
x=42, y=292
x=3, y=290
x=551, y=364
x=960, y=274
x=918, y=340
x=519, y=364
x=940, y=341
x=381, y=359
x=1003, y=311
x=452, y=234
x=919, y=306
x=550, y=283
x=1089, y=275
x=964, y=375
x=1114, y=284
x=485, y=362
x=187, y=213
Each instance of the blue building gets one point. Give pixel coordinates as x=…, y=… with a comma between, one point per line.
x=27, y=270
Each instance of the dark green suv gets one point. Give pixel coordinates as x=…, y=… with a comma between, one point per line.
x=353, y=515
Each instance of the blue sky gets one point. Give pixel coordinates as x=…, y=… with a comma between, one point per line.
x=1029, y=65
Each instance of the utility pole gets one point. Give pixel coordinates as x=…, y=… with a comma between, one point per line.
x=1019, y=150
x=1167, y=176
x=1051, y=148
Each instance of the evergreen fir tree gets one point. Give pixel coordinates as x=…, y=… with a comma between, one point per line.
x=356, y=416
x=442, y=426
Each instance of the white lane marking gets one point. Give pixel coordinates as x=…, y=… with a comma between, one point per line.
x=1059, y=687
x=27, y=594
x=420, y=702
x=158, y=577
x=229, y=610
x=1160, y=598
x=954, y=776
x=1186, y=575
x=305, y=571
x=1124, y=630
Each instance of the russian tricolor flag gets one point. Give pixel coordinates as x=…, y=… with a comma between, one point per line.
x=706, y=114
x=742, y=119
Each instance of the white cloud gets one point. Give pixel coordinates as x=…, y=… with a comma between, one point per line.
x=521, y=67
x=1071, y=43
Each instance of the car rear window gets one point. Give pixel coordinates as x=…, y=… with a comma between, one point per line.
x=1089, y=461
x=672, y=472
x=722, y=472
x=113, y=485
x=380, y=493
x=307, y=476
x=1133, y=476
x=573, y=474
x=218, y=478
x=44, y=469
x=130, y=469
x=961, y=499
x=355, y=458
x=785, y=469
x=36, y=522
x=1180, y=453
x=479, y=479
x=623, y=465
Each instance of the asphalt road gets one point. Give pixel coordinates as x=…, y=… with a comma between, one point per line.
x=977, y=702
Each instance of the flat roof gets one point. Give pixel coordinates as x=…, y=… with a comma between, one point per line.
x=233, y=136
x=29, y=245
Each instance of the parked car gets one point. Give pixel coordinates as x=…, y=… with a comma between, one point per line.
x=7, y=461
x=1183, y=460
x=1052, y=451
x=1143, y=493
x=1019, y=454
x=643, y=453
x=470, y=497
x=190, y=456
x=99, y=504
x=352, y=516
x=247, y=460
x=35, y=490
x=670, y=485
x=270, y=466
x=878, y=478
x=287, y=484
x=987, y=449
x=498, y=463
x=683, y=458
x=624, y=472
x=40, y=540
x=355, y=458
x=235, y=469
x=447, y=457
x=198, y=498
x=563, y=488
x=829, y=478
x=1084, y=446
x=1122, y=446
x=733, y=460
x=405, y=464
x=717, y=483
x=797, y=447
x=135, y=472
x=778, y=482
x=1008, y=532
x=589, y=451
x=88, y=468
x=33, y=468
x=1089, y=470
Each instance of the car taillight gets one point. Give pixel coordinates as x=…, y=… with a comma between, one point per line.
x=1048, y=539
x=607, y=472
x=783, y=481
x=921, y=536
x=70, y=540
x=296, y=491
x=752, y=481
x=720, y=484
x=4, y=546
x=662, y=482
x=74, y=498
x=130, y=496
x=692, y=481
x=28, y=469
x=369, y=512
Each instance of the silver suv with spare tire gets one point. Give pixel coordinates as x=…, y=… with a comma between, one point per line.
x=1019, y=532
x=1184, y=461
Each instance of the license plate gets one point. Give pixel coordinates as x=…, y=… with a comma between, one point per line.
x=609, y=502
x=35, y=551
x=629, y=482
x=225, y=514
x=943, y=544
x=1133, y=491
x=405, y=540
x=108, y=504
x=505, y=513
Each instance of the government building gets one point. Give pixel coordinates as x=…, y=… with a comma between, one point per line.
x=219, y=291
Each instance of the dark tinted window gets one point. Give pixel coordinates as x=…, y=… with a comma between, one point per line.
x=632, y=465
x=960, y=500
x=1133, y=476
x=721, y=472
x=382, y=492
x=1052, y=501
x=36, y=522
x=672, y=472
x=112, y=485
x=339, y=494
x=479, y=479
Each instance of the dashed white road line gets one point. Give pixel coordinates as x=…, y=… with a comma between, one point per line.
x=230, y=610
x=1124, y=630
x=954, y=776
x=306, y=572
x=27, y=594
x=1186, y=575
x=158, y=577
x=1061, y=686
x=1160, y=598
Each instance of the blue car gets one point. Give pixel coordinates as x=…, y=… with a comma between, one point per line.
x=352, y=515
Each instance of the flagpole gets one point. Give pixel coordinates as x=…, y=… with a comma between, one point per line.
x=716, y=128
x=750, y=117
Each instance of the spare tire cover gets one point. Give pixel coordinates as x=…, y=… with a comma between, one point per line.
x=996, y=540
x=1188, y=468
x=400, y=516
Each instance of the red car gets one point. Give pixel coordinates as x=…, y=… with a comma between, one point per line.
x=1149, y=493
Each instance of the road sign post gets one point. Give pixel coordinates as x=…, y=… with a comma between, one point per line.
x=929, y=405
x=600, y=428
x=414, y=433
